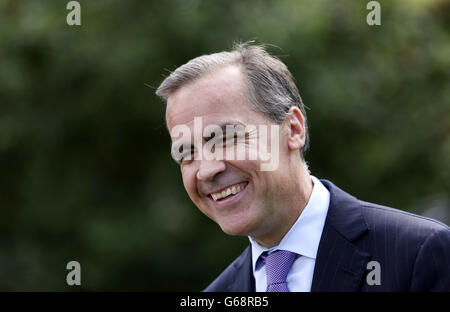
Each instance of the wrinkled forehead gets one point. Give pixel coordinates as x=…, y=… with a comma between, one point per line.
x=186, y=117
x=215, y=98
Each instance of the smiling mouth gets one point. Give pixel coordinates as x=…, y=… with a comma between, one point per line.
x=229, y=191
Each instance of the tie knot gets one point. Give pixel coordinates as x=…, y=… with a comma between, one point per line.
x=278, y=264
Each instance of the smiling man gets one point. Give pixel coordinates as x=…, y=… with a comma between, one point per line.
x=305, y=234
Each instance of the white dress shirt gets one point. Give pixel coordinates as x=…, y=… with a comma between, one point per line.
x=303, y=239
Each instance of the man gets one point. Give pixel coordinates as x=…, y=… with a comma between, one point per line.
x=305, y=234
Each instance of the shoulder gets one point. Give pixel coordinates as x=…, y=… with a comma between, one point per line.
x=352, y=217
x=227, y=278
x=413, y=251
x=408, y=244
x=386, y=220
x=224, y=280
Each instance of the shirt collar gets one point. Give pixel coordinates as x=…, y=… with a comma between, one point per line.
x=304, y=236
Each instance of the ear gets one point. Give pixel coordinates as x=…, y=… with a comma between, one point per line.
x=295, y=123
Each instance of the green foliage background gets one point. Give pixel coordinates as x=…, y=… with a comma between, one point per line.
x=85, y=168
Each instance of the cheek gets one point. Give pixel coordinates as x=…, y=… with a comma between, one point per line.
x=246, y=168
x=190, y=185
x=189, y=182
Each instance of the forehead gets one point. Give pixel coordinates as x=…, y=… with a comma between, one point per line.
x=216, y=97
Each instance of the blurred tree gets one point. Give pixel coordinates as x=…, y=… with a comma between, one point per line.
x=86, y=173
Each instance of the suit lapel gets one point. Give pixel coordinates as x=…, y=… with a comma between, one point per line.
x=244, y=280
x=340, y=264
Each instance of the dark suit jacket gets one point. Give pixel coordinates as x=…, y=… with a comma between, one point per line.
x=413, y=251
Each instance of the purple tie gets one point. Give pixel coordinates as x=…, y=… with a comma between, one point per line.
x=278, y=264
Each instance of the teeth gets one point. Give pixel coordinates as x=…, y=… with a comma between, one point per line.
x=231, y=190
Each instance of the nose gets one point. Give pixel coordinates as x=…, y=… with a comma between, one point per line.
x=208, y=169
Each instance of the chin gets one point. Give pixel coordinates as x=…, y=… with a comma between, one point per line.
x=235, y=228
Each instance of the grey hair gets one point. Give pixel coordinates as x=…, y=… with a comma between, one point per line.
x=272, y=90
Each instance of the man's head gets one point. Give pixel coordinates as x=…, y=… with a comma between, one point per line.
x=243, y=87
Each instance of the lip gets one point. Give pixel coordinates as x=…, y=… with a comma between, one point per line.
x=224, y=188
x=230, y=200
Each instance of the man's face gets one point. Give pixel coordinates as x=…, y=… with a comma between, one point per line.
x=220, y=98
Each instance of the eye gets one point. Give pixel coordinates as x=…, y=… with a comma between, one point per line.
x=182, y=153
x=187, y=156
x=228, y=138
x=235, y=138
